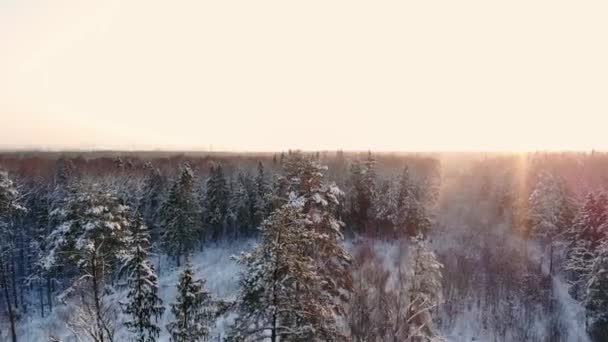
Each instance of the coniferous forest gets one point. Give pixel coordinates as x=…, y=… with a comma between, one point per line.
x=303, y=246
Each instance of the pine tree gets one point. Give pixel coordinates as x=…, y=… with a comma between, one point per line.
x=193, y=309
x=405, y=213
x=179, y=217
x=216, y=202
x=363, y=191
x=596, y=298
x=241, y=206
x=9, y=207
x=144, y=306
x=92, y=238
x=550, y=211
x=151, y=200
x=305, y=187
x=263, y=196
x=418, y=293
x=281, y=296
x=588, y=231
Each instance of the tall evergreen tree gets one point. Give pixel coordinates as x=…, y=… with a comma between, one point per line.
x=363, y=192
x=241, y=206
x=216, y=202
x=588, y=231
x=409, y=214
x=193, y=309
x=144, y=306
x=9, y=206
x=551, y=211
x=263, y=196
x=91, y=237
x=596, y=298
x=304, y=186
x=281, y=297
x=151, y=200
x=179, y=217
x=418, y=293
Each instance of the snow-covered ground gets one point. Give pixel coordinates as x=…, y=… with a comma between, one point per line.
x=221, y=272
x=214, y=264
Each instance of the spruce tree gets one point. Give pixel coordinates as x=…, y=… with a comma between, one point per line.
x=90, y=239
x=282, y=298
x=9, y=207
x=143, y=305
x=263, y=196
x=305, y=187
x=409, y=212
x=418, y=293
x=193, y=310
x=587, y=233
x=216, y=202
x=363, y=192
x=241, y=206
x=179, y=217
x=596, y=299
x=151, y=200
x=550, y=211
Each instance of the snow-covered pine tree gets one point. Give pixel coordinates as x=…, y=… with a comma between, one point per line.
x=151, y=200
x=143, y=306
x=384, y=205
x=92, y=239
x=404, y=217
x=241, y=206
x=363, y=191
x=263, y=197
x=216, y=202
x=9, y=206
x=596, y=298
x=590, y=228
x=418, y=293
x=304, y=186
x=368, y=183
x=550, y=211
x=281, y=296
x=193, y=309
x=180, y=217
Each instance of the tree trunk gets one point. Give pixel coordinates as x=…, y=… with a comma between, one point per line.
x=41, y=296
x=7, y=297
x=49, y=293
x=96, y=297
x=551, y=258
x=14, y=280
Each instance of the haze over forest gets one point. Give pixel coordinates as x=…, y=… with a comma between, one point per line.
x=315, y=171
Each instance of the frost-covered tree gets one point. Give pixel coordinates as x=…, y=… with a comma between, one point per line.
x=596, y=298
x=143, y=306
x=363, y=191
x=263, y=196
x=590, y=228
x=151, y=200
x=550, y=211
x=241, y=206
x=281, y=297
x=409, y=213
x=216, y=202
x=9, y=206
x=92, y=237
x=193, y=310
x=371, y=297
x=180, y=217
x=305, y=186
x=418, y=293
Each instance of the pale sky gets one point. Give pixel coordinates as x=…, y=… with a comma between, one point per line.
x=272, y=75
